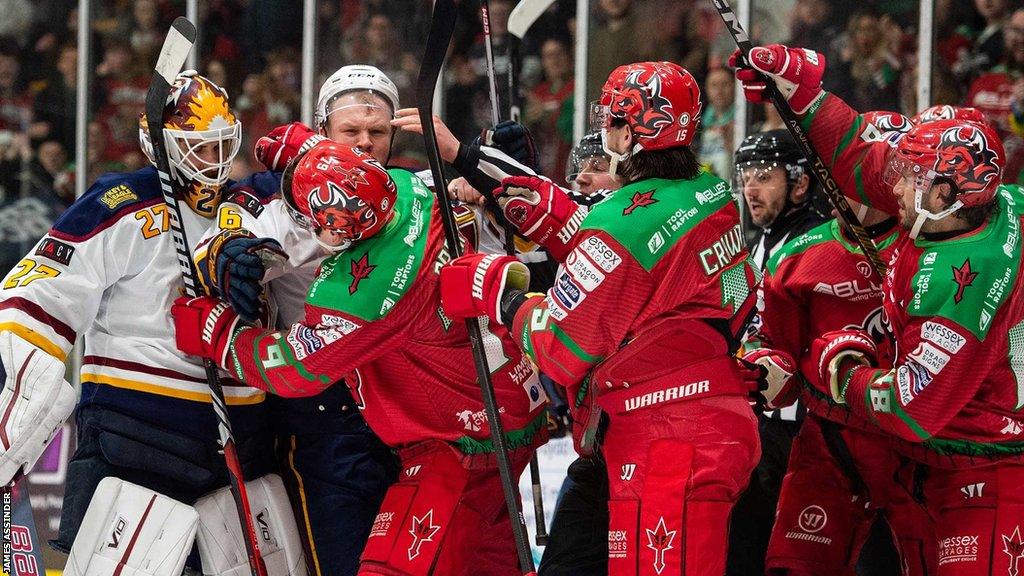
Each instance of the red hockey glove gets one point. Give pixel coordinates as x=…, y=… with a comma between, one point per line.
x=542, y=212
x=835, y=353
x=203, y=327
x=283, y=143
x=797, y=73
x=778, y=386
x=472, y=285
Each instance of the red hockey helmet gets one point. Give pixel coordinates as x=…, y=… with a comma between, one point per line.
x=947, y=112
x=342, y=189
x=888, y=121
x=659, y=101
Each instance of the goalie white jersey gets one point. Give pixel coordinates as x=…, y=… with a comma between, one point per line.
x=108, y=270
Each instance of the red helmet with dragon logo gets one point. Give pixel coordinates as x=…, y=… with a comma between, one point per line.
x=947, y=112
x=659, y=101
x=342, y=189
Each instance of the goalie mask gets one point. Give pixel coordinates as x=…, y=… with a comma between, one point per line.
x=969, y=156
x=340, y=190
x=202, y=137
x=658, y=101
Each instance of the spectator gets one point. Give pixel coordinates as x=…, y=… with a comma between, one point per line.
x=993, y=94
x=613, y=41
x=121, y=87
x=477, y=58
x=987, y=48
x=43, y=171
x=15, y=101
x=54, y=107
x=267, y=26
x=717, y=120
x=548, y=112
x=375, y=42
x=217, y=73
x=868, y=71
x=145, y=34
x=17, y=20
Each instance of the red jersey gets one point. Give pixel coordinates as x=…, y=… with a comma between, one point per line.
x=816, y=283
x=373, y=317
x=955, y=307
x=653, y=249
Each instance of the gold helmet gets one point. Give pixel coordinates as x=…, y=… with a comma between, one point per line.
x=202, y=137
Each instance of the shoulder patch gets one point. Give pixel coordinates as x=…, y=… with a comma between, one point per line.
x=652, y=215
x=118, y=195
x=817, y=235
x=246, y=201
x=56, y=250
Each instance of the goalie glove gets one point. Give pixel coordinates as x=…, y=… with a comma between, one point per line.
x=542, y=212
x=34, y=403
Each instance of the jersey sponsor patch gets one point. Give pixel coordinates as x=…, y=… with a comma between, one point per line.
x=247, y=202
x=567, y=292
x=600, y=253
x=306, y=341
x=911, y=380
x=556, y=310
x=583, y=271
x=943, y=336
x=344, y=325
x=56, y=250
x=118, y=195
x=720, y=191
x=930, y=357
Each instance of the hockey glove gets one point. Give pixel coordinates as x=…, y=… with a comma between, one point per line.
x=778, y=386
x=542, y=212
x=514, y=139
x=276, y=149
x=472, y=285
x=203, y=327
x=797, y=73
x=835, y=354
x=235, y=262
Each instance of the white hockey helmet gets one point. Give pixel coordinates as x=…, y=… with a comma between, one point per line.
x=348, y=79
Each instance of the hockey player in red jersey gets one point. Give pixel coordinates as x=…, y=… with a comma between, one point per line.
x=952, y=298
x=641, y=325
x=373, y=316
x=840, y=474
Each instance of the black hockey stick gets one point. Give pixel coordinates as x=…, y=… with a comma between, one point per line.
x=525, y=13
x=818, y=167
x=520, y=19
x=442, y=24
x=177, y=45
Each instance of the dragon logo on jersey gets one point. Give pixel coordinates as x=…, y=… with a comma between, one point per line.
x=652, y=109
x=358, y=270
x=640, y=200
x=335, y=208
x=964, y=277
x=660, y=540
x=423, y=530
x=973, y=160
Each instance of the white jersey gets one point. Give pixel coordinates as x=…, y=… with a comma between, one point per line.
x=253, y=204
x=108, y=271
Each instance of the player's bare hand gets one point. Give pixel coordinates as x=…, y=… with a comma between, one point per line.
x=408, y=120
x=459, y=189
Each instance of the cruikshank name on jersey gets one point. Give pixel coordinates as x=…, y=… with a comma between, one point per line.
x=722, y=252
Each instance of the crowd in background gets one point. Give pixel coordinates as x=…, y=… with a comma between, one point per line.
x=253, y=48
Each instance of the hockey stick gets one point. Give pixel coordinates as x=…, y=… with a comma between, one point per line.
x=520, y=19
x=442, y=24
x=492, y=79
x=177, y=45
x=525, y=13
x=818, y=167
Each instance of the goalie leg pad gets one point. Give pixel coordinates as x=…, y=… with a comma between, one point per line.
x=34, y=403
x=129, y=530
x=221, y=545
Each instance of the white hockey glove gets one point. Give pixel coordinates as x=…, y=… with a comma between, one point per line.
x=34, y=403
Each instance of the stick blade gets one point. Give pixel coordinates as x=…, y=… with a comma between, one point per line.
x=181, y=37
x=525, y=14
